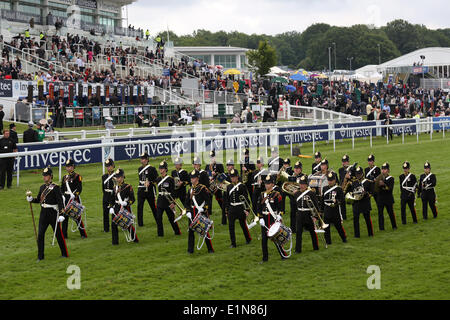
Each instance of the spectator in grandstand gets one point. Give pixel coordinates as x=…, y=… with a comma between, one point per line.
x=236, y=118
x=40, y=132
x=155, y=121
x=109, y=123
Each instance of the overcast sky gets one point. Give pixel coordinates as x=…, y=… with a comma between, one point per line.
x=273, y=17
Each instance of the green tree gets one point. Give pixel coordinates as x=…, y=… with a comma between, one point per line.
x=261, y=60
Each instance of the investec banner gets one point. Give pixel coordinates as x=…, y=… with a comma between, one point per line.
x=303, y=134
x=157, y=149
x=412, y=128
x=438, y=125
x=221, y=139
x=52, y=159
x=346, y=132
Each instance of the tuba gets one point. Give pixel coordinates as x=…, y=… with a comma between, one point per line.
x=377, y=180
x=177, y=180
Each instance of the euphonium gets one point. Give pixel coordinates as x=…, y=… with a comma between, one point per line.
x=290, y=188
x=283, y=176
x=247, y=206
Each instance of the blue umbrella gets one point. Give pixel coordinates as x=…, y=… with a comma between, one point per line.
x=290, y=88
x=299, y=77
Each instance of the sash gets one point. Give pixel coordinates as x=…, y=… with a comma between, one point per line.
x=234, y=188
x=162, y=180
x=145, y=168
x=318, y=166
x=406, y=179
x=302, y=195
x=370, y=171
x=271, y=162
x=109, y=178
x=427, y=177
x=329, y=190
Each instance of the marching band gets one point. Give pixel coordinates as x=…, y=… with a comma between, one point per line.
x=255, y=195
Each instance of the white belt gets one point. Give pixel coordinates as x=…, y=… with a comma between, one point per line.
x=162, y=193
x=109, y=190
x=50, y=206
x=303, y=209
x=237, y=204
x=330, y=204
x=142, y=182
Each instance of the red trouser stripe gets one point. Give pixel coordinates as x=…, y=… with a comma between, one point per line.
x=64, y=240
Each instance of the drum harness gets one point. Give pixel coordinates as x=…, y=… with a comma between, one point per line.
x=69, y=192
x=106, y=181
x=127, y=234
x=200, y=210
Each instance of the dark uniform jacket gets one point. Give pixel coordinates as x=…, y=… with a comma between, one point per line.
x=74, y=181
x=385, y=195
x=332, y=199
x=7, y=146
x=364, y=187
x=50, y=194
x=411, y=182
x=183, y=175
x=426, y=187
x=201, y=195
x=274, y=200
x=302, y=204
x=232, y=197
x=126, y=193
x=165, y=185
x=149, y=174
x=108, y=187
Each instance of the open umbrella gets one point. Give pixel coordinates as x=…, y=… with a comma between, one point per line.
x=280, y=80
x=298, y=77
x=290, y=88
x=301, y=71
x=232, y=71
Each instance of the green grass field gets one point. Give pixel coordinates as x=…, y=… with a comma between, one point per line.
x=414, y=260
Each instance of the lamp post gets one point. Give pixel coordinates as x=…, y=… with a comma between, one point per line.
x=350, y=59
x=335, y=66
x=329, y=64
x=423, y=71
x=379, y=54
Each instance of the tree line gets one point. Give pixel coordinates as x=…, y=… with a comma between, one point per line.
x=311, y=48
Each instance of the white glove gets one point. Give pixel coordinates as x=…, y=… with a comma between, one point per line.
x=189, y=215
x=111, y=210
x=29, y=198
x=279, y=217
x=201, y=210
x=123, y=203
x=262, y=223
x=61, y=219
x=72, y=196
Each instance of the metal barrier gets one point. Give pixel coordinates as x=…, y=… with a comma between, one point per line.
x=200, y=141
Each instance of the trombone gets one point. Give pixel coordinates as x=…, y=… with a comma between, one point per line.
x=319, y=224
x=177, y=204
x=247, y=207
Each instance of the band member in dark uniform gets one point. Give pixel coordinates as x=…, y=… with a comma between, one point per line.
x=197, y=202
x=269, y=212
x=7, y=145
x=275, y=163
x=304, y=219
x=108, y=192
x=385, y=197
x=235, y=207
x=247, y=169
x=213, y=169
x=258, y=177
x=427, y=183
x=123, y=199
x=203, y=175
x=166, y=186
x=361, y=189
x=317, y=160
x=408, y=186
x=230, y=166
x=50, y=199
x=371, y=172
x=71, y=187
x=342, y=172
x=333, y=197
x=295, y=177
x=181, y=179
x=146, y=188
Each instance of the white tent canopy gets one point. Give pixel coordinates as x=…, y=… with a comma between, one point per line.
x=278, y=71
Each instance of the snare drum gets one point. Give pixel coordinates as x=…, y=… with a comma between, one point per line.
x=124, y=219
x=74, y=210
x=201, y=224
x=279, y=233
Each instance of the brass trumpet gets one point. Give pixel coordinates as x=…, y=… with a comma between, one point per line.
x=247, y=206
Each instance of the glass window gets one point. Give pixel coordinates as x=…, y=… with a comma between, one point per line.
x=29, y=9
x=243, y=61
x=5, y=5
x=206, y=58
x=58, y=13
x=58, y=5
x=32, y=1
x=226, y=61
x=86, y=18
x=106, y=21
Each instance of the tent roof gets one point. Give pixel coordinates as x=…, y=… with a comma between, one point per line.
x=434, y=56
